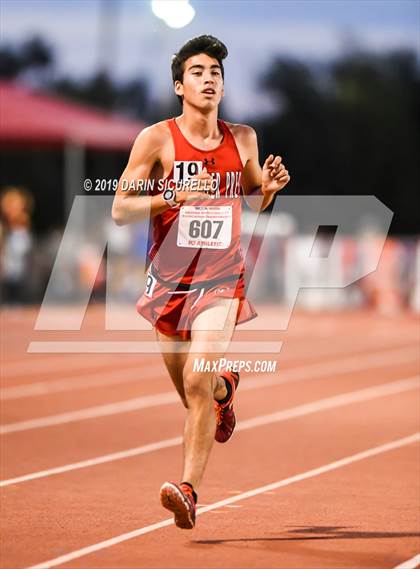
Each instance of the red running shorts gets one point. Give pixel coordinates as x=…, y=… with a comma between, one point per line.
x=172, y=311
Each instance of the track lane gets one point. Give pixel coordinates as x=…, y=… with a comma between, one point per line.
x=53, y=405
x=81, y=505
x=387, y=389
x=107, y=500
x=32, y=367
x=290, y=527
x=58, y=395
x=33, y=450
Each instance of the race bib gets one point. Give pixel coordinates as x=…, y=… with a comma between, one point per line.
x=207, y=227
x=184, y=170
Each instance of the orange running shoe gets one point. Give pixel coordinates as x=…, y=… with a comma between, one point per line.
x=180, y=501
x=225, y=415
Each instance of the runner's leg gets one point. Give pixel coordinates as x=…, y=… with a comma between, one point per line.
x=200, y=387
x=174, y=360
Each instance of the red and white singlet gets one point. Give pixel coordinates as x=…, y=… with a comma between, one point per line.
x=200, y=241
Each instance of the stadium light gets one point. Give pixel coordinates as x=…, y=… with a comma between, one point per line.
x=175, y=13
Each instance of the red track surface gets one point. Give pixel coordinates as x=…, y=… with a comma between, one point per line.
x=361, y=514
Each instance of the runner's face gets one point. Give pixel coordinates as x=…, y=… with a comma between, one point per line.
x=202, y=85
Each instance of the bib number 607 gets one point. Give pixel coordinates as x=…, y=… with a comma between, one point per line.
x=204, y=228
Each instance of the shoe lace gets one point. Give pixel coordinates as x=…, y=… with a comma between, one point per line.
x=219, y=414
x=186, y=489
x=189, y=493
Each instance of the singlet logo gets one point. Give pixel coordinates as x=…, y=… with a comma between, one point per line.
x=206, y=161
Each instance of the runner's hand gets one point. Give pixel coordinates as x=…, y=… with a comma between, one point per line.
x=274, y=175
x=203, y=179
x=198, y=190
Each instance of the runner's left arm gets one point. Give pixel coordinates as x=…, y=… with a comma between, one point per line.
x=257, y=181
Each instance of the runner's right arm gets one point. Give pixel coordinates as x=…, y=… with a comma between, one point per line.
x=129, y=206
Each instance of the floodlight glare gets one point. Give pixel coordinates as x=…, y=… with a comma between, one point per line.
x=175, y=13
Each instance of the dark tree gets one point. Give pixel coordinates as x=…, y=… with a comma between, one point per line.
x=36, y=53
x=10, y=63
x=350, y=128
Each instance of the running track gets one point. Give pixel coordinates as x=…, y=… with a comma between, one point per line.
x=321, y=473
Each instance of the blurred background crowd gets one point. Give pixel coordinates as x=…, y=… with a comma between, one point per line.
x=333, y=86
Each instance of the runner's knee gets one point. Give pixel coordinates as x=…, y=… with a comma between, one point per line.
x=197, y=386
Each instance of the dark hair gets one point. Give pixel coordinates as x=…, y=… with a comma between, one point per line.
x=209, y=45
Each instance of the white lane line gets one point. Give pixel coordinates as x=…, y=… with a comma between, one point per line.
x=374, y=451
x=252, y=382
x=145, y=347
x=136, y=451
x=366, y=394
x=32, y=365
x=341, y=366
x=132, y=374
x=92, y=412
x=82, y=381
x=410, y=563
x=306, y=409
x=27, y=366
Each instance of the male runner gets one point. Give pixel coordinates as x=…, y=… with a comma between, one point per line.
x=195, y=292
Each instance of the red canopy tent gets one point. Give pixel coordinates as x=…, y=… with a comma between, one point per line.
x=32, y=118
